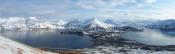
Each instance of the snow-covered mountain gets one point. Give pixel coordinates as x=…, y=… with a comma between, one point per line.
x=118, y=23
x=60, y=24
x=94, y=23
x=75, y=24
x=163, y=24
x=88, y=24
x=33, y=23
x=13, y=23
x=8, y=46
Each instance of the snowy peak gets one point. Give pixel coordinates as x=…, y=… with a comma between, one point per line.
x=34, y=23
x=13, y=23
x=44, y=25
x=94, y=23
x=61, y=22
x=33, y=18
x=75, y=24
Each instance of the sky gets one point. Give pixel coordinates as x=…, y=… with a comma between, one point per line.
x=82, y=9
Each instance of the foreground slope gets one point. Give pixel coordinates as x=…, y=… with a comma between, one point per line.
x=122, y=50
x=11, y=47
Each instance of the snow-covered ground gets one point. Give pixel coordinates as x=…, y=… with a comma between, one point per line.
x=11, y=47
x=122, y=50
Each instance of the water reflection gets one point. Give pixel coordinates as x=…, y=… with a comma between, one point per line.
x=152, y=37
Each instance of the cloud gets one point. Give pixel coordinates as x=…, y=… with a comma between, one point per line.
x=120, y=9
x=116, y=8
x=104, y=4
x=43, y=8
x=150, y=1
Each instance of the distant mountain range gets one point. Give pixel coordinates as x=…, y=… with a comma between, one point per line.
x=33, y=23
x=168, y=25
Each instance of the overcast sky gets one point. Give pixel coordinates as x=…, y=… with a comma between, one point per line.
x=115, y=9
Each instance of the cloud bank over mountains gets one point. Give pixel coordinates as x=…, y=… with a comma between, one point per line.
x=115, y=9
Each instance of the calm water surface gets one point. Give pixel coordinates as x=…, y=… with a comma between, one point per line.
x=49, y=39
x=52, y=39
